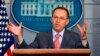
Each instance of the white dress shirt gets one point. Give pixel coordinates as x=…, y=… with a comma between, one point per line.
x=61, y=35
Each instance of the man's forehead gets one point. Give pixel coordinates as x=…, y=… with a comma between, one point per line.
x=60, y=11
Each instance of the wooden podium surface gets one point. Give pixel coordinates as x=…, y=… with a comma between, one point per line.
x=50, y=52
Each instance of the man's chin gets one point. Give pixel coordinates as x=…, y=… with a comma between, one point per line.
x=58, y=30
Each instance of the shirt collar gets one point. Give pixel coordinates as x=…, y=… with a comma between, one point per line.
x=61, y=33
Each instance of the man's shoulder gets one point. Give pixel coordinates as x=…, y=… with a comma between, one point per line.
x=71, y=32
x=44, y=33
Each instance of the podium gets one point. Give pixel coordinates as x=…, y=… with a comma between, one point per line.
x=51, y=52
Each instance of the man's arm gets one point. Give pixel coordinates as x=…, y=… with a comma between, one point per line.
x=79, y=43
x=22, y=45
x=34, y=44
x=16, y=30
x=83, y=30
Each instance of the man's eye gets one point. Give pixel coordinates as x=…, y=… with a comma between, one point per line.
x=62, y=18
x=55, y=17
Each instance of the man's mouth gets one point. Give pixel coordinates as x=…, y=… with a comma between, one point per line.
x=57, y=25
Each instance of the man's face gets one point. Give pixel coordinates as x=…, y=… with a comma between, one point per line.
x=59, y=19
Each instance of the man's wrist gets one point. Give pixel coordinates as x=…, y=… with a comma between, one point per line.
x=20, y=39
x=84, y=38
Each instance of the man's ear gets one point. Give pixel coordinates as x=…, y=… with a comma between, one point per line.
x=67, y=21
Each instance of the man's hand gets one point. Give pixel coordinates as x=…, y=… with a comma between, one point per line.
x=16, y=30
x=83, y=30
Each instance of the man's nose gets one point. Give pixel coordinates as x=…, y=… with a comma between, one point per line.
x=58, y=20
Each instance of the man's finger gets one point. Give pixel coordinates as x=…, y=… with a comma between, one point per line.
x=8, y=26
x=79, y=27
x=20, y=24
x=85, y=25
x=11, y=24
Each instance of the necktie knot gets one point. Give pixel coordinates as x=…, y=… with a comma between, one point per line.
x=57, y=35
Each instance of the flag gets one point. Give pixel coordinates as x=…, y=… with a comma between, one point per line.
x=6, y=39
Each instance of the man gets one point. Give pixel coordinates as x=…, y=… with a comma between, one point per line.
x=57, y=37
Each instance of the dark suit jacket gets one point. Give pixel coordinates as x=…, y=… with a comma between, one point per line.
x=45, y=40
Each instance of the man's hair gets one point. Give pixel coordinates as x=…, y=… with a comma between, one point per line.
x=62, y=9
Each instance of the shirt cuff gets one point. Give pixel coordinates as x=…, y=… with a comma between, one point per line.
x=84, y=42
x=20, y=42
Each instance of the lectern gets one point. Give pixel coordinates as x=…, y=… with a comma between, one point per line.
x=51, y=52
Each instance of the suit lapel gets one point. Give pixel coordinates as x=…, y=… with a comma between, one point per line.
x=50, y=39
x=65, y=40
